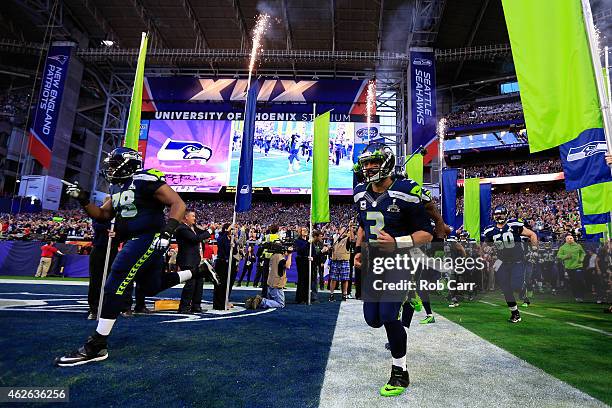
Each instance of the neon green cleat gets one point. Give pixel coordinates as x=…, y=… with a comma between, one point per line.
x=416, y=302
x=397, y=384
x=427, y=320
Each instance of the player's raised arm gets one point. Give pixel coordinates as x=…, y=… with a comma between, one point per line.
x=102, y=213
x=533, y=238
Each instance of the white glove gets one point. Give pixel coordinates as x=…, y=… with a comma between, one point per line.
x=75, y=191
x=161, y=243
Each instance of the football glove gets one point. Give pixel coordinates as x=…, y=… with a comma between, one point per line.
x=162, y=241
x=76, y=192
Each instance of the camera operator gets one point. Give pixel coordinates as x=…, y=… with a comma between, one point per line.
x=277, y=279
x=264, y=256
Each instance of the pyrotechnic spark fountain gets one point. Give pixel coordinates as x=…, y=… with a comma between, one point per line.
x=370, y=102
x=262, y=24
x=263, y=21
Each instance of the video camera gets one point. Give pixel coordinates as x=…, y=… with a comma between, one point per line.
x=279, y=247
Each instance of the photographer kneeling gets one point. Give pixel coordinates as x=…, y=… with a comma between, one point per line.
x=280, y=262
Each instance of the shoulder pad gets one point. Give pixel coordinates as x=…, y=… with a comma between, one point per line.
x=488, y=229
x=150, y=175
x=359, y=191
x=408, y=186
x=515, y=223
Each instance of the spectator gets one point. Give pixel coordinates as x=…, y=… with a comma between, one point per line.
x=97, y=260
x=340, y=266
x=47, y=252
x=572, y=254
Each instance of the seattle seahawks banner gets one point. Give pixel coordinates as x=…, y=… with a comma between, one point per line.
x=485, y=205
x=583, y=160
x=244, y=188
x=449, y=196
x=47, y=110
x=423, y=99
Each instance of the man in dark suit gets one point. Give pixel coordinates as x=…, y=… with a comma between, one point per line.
x=189, y=239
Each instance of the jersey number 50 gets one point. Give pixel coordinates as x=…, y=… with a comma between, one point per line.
x=125, y=201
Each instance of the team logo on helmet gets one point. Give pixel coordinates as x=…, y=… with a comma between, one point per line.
x=184, y=150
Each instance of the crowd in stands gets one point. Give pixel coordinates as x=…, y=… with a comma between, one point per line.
x=555, y=212
x=548, y=213
x=59, y=226
x=14, y=106
x=514, y=168
x=474, y=115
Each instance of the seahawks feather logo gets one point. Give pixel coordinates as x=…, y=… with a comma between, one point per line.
x=587, y=150
x=184, y=150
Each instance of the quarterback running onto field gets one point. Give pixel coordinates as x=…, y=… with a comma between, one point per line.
x=391, y=211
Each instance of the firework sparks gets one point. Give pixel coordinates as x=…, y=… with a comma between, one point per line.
x=442, y=128
x=370, y=101
x=262, y=24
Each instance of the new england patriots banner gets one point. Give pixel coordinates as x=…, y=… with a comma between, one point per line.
x=47, y=110
x=244, y=188
x=423, y=101
x=583, y=160
x=449, y=196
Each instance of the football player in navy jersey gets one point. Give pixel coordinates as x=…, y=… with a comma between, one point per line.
x=506, y=234
x=390, y=210
x=138, y=200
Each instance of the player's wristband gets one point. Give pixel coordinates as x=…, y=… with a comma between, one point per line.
x=83, y=198
x=404, y=241
x=358, y=249
x=170, y=227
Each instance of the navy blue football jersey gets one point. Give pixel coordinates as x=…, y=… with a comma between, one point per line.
x=137, y=212
x=399, y=211
x=507, y=240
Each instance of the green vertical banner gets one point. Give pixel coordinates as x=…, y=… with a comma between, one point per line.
x=414, y=168
x=320, y=169
x=597, y=199
x=471, y=207
x=132, y=129
x=554, y=69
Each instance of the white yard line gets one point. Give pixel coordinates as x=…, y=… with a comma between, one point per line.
x=589, y=328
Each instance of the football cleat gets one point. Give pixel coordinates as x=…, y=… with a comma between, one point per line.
x=93, y=350
x=397, y=383
x=514, y=318
x=427, y=320
x=454, y=304
x=417, y=303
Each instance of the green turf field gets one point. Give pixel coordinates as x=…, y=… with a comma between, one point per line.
x=547, y=337
x=272, y=171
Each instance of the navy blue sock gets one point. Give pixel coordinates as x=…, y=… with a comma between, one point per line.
x=396, y=334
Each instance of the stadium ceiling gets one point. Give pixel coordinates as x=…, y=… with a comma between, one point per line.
x=306, y=36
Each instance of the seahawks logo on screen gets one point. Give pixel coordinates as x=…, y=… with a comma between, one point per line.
x=587, y=150
x=422, y=61
x=60, y=58
x=184, y=150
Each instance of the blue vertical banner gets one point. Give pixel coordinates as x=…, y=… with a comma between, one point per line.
x=449, y=196
x=423, y=98
x=244, y=187
x=46, y=113
x=485, y=206
x=583, y=160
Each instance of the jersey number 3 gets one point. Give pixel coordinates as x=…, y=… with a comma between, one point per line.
x=379, y=222
x=125, y=201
